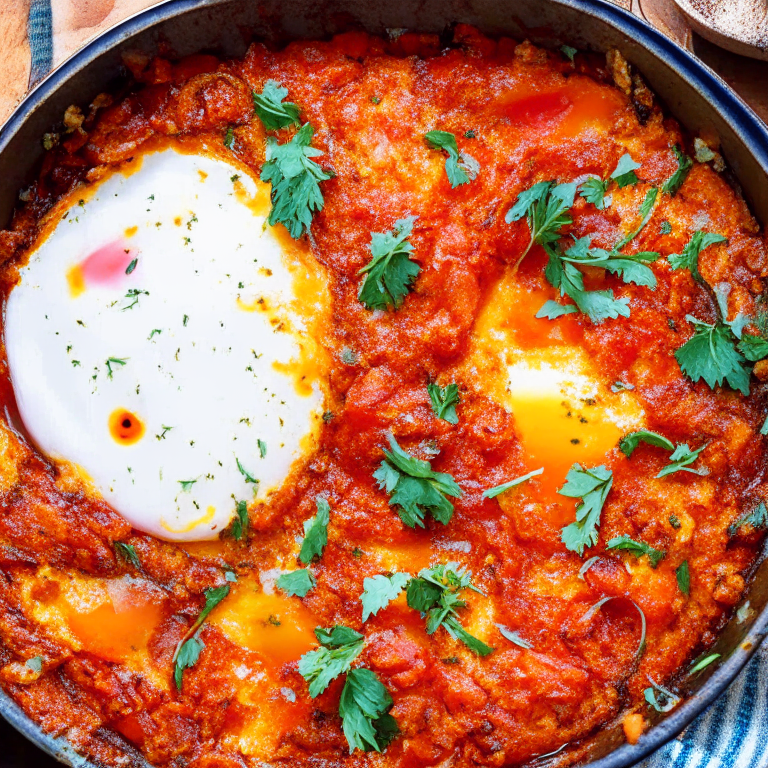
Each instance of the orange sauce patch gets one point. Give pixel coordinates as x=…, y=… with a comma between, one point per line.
x=76, y=281
x=125, y=427
x=120, y=627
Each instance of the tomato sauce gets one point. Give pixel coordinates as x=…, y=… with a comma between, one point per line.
x=525, y=115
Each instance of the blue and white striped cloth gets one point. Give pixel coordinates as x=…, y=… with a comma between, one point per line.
x=733, y=733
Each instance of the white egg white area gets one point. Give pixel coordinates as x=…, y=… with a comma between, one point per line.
x=198, y=369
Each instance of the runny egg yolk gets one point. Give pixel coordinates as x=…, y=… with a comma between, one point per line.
x=276, y=627
x=564, y=412
x=125, y=427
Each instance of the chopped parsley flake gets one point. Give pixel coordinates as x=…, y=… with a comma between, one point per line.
x=186, y=485
x=568, y=52
x=229, y=138
x=683, y=574
x=675, y=181
x=127, y=553
x=131, y=266
x=754, y=520
x=133, y=297
x=624, y=174
x=262, y=448
x=114, y=361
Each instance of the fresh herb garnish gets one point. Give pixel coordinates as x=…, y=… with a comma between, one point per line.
x=683, y=574
x=390, y=273
x=273, y=112
x=229, y=138
x=186, y=485
x=703, y=663
x=568, y=52
x=680, y=460
x=499, y=489
x=114, y=361
x=689, y=258
x=675, y=181
x=127, y=553
x=249, y=478
x=592, y=486
x=153, y=332
x=315, y=532
x=364, y=709
x=131, y=266
x=665, y=228
x=665, y=701
x=189, y=648
x=624, y=174
x=296, y=583
x=240, y=524
x=643, y=626
x=756, y=519
x=295, y=178
x=513, y=637
x=629, y=442
x=435, y=594
x=546, y=207
x=637, y=548
x=133, y=296
x=593, y=190
x=414, y=488
x=444, y=401
x=379, y=591
x=459, y=167
x=339, y=647
x=262, y=448
x=674, y=521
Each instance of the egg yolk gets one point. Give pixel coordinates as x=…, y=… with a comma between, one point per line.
x=278, y=628
x=125, y=427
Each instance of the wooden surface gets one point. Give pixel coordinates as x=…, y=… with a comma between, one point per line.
x=75, y=22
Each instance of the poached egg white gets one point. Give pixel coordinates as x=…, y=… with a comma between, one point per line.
x=161, y=338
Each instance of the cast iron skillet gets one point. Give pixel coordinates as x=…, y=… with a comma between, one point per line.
x=690, y=91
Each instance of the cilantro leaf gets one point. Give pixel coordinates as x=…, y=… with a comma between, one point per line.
x=545, y=206
x=272, y=110
x=592, y=486
x=629, y=442
x=296, y=583
x=637, y=548
x=680, y=460
x=315, y=532
x=666, y=700
x=339, y=647
x=753, y=347
x=378, y=591
x=551, y=310
x=435, y=593
x=568, y=51
x=513, y=637
x=189, y=648
x=249, y=478
x=646, y=211
x=491, y=493
x=703, y=663
x=675, y=181
x=364, y=708
x=460, y=168
x=756, y=519
x=444, y=401
x=390, y=273
x=689, y=258
x=295, y=180
x=683, y=574
x=711, y=354
x=229, y=138
x=127, y=552
x=593, y=190
x=624, y=174
x=414, y=488
x=238, y=528
x=665, y=228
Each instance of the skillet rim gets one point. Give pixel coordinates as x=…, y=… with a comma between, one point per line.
x=751, y=131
